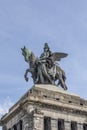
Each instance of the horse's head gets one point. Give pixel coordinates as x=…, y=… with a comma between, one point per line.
x=26, y=53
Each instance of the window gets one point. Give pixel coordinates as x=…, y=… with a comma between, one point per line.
x=19, y=125
x=15, y=127
x=61, y=124
x=73, y=125
x=47, y=123
x=20, y=122
x=84, y=126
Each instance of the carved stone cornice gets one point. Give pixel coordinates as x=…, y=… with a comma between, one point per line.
x=44, y=98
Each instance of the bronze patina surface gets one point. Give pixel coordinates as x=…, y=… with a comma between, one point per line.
x=45, y=69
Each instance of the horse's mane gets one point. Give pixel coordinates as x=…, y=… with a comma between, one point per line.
x=32, y=57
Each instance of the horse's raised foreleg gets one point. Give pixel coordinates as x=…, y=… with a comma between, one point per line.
x=26, y=73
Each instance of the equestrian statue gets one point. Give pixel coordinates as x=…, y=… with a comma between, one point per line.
x=45, y=69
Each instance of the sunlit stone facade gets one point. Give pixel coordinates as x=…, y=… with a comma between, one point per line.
x=46, y=107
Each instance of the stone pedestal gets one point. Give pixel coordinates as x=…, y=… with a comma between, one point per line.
x=46, y=107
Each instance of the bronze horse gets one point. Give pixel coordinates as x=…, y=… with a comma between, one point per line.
x=41, y=74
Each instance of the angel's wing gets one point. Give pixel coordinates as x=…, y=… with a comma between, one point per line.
x=57, y=56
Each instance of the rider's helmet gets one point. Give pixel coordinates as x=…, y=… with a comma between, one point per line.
x=46, y=46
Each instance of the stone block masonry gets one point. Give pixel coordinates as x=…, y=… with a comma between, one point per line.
x=47, y=107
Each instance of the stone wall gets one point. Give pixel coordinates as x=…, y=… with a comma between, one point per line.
x=47, y=108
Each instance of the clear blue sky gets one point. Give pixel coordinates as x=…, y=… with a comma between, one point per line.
x=61, y=23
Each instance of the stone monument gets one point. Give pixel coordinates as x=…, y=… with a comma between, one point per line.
x=46, y=106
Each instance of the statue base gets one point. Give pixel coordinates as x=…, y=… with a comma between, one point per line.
x=47, y=107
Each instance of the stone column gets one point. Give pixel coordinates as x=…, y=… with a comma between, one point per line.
x=67, y=125
x=38, y=122
x=54, y=124
x=19, y=125
x=12, y=128
x=79, y=126
x=4, y=127
x=28, y=122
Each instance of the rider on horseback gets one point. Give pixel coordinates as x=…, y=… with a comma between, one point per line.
x=46, y=59
x=44, y=70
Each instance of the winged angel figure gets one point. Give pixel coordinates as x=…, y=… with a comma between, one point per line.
x=45, y=69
